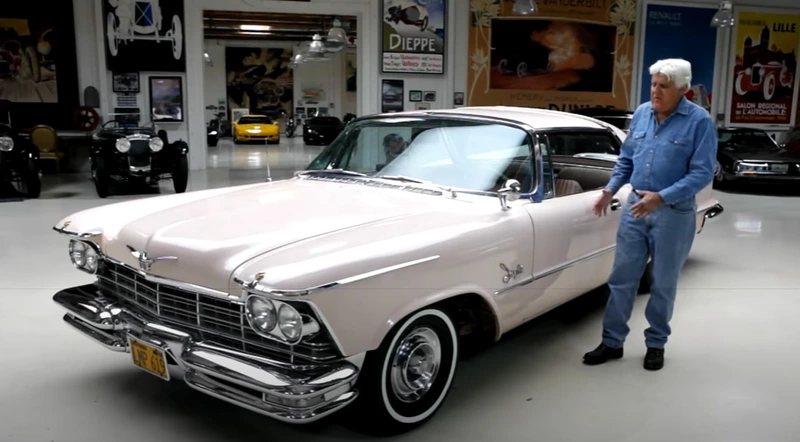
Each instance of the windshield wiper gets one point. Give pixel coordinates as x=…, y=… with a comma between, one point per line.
x=330, y=171
x=416, y=181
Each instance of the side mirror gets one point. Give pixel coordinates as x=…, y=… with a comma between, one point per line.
x=510, y=191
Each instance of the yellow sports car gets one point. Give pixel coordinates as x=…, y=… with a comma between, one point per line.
x=256, y=128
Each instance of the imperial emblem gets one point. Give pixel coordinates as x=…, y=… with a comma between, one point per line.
x=145, y=262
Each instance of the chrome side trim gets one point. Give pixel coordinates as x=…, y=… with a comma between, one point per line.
x=574, y=262
x=257, y=287
x=81, y=235
x=525, y=281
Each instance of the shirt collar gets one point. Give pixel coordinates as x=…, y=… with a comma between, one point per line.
x=683, y=107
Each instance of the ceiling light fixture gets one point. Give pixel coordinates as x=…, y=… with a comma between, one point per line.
x=337, y=33
x=317, y=46
x=525, y=7
x=255, y=27
x=724, y=16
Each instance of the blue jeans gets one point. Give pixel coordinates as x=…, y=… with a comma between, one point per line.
x=666, y=236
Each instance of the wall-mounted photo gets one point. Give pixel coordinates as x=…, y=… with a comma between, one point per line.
x=166, y=99
x=458, y=98
x=544, y=54
x=144, y=35
x=414, y=95
x=392, y=96
x=125, y=83
x=422, y=106
x=260, y=79
x=430, y=96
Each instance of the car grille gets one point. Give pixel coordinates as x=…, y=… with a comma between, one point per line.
x=139, y=153
x=215, y=320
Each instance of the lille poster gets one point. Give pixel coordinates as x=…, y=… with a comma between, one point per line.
x=764, y=75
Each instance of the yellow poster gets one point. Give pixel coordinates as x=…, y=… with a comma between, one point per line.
x=571, y=54
x=763, y=77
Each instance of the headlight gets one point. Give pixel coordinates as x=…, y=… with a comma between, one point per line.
x=261, y=314
x=156, y=144
x=751, y=167
x=290, y=322
x=84, y=256
x=6, y=144
x=276, y=320
x=123, y=145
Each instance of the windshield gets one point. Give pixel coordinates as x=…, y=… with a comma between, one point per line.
x=255, y=120
x=747, y=138
x=445, y=151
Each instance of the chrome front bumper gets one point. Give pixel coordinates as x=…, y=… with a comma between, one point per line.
x=290, y=393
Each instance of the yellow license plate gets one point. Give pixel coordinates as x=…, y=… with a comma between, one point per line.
x=150, y=358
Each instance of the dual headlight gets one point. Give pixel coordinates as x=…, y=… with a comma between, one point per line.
x=124, y=145
x=6, y=144
x=84, y=255
x=274, y=319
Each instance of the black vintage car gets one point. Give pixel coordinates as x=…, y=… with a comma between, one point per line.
x=752, y=156
x=322, y=130
x=128, y=154
x=19, y=164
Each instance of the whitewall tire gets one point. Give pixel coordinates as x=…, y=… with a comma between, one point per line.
x=404, y=382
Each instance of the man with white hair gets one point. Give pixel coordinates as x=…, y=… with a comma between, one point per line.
x=668, y=157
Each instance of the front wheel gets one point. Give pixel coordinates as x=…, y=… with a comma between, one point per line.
x=180, y=176
x=101, y=178
x=404, y=382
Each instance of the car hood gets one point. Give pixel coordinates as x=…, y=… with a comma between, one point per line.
x=257, y=127
x=746, y=153
x=211, y=233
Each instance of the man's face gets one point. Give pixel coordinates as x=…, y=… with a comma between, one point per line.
x=664, y=95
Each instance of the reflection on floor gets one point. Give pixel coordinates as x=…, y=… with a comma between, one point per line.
x=731, y=368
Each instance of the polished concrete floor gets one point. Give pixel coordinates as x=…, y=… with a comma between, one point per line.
x=731, y=372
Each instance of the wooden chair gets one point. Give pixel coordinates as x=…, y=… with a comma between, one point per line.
x=46, y=139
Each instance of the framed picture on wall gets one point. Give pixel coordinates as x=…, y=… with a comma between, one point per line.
x=430, y=96
x=166, y=99
x=414, y=95
x=125, y=83
x=458, y=98
x=392, y=96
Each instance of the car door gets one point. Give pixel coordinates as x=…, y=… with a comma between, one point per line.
x=573, y=248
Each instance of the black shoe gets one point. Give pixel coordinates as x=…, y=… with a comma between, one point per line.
x=654, y=359
x=602, y=354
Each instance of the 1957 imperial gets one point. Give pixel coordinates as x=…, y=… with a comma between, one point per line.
x=356, y=284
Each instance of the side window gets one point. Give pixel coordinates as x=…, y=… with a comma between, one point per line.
x=572, y=144
x=548, y=179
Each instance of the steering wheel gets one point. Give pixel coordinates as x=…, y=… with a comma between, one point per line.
x=86, y=118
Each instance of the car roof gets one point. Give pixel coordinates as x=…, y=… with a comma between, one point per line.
x=534, y=117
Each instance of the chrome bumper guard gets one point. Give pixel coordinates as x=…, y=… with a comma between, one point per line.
x=290, y=393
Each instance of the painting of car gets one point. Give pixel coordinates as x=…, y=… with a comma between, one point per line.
x=751, y=156
x=358, y=283
x=19, y=163
x=141, y=20
x=410, y=15
x=764, y=78
x=121, y=153
x=256, y=128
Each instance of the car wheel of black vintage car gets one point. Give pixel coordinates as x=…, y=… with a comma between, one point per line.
x=122, y=153
x=19, y=163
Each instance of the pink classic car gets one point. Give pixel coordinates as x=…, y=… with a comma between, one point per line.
x=356, y=284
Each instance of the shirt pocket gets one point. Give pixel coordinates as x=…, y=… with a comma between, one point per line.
x=678, y=149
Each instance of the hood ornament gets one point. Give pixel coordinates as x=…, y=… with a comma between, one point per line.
x=145, y=262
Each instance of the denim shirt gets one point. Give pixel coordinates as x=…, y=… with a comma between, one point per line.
x=675, y=158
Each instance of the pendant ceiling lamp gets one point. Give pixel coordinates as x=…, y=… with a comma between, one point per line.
x=724, y=16
x=525, y=7
x=337, y=33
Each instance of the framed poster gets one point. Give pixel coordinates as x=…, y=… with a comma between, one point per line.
x=763, y=72
x=413, y=36
x=414, y=95
x=144, y=35
x=392, y=96
x=680, y=32
x=166, y=99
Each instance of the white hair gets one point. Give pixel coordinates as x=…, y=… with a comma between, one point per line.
x=676, y=69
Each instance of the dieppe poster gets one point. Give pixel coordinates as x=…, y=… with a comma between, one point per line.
x=413, y=36
x=572, y=54
x=681, y=32
x=764, y=76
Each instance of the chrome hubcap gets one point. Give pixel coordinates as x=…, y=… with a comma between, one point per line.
x=416, y=364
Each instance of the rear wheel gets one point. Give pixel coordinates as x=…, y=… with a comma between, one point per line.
x=404, y=382
x=180, y=176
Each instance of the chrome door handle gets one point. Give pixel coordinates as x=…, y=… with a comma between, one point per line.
x=615, y=204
